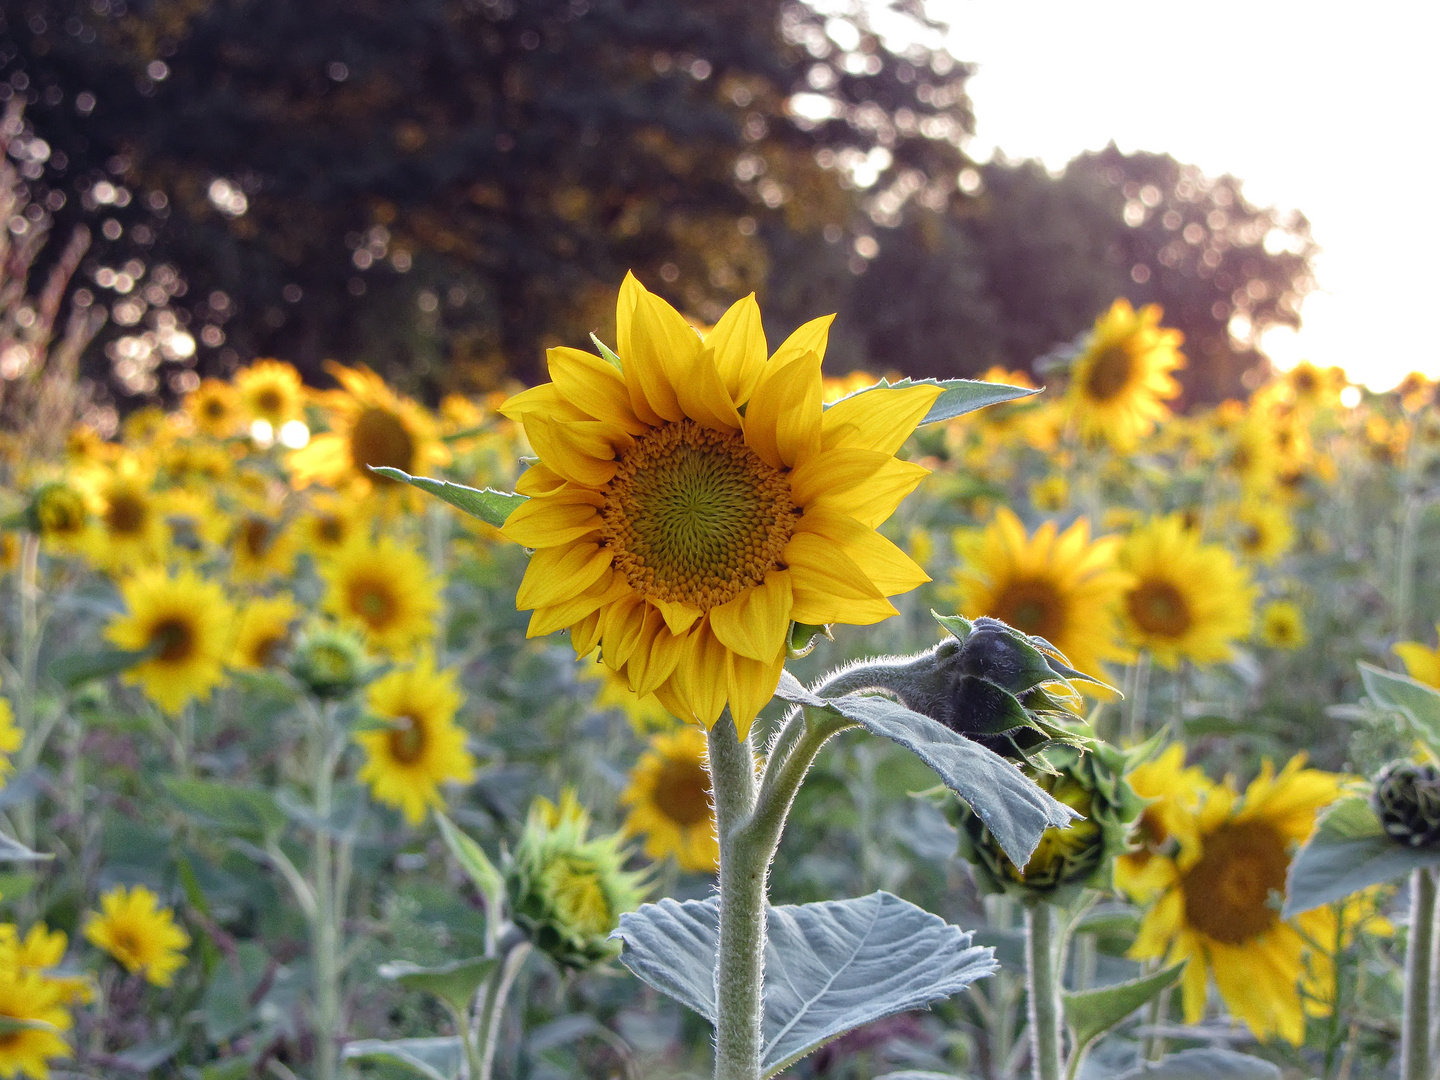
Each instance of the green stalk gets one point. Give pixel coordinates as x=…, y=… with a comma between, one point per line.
x=1415, y=1027
x=485, y=1035
x=325, y=950
x=27, y=662
x=1042, y=986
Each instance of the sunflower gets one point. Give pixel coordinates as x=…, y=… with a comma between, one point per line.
x=1121, y=380
x=271, y=390
x=1421, y=662
x=328, y=525
x=261, y=545
x=682, y=537
x=11, y=739
x=133, y=928
x=214, y=408
x=129, y=516
x=86, y=446
x=41, y=950
x=385, y=590
x=1050, y=494
x=369, y=425
x=1187, y=600
x=28, y=996
x=184, y=623
x=1216, y=907
x=645, y=714
x=669, y=800
x=1282, y=626
x=1174, y=793
x=1261, y=530
x=1061, y=586
x=1251, y=455
x=60, y=515
x=423, y=746
x=264, y=631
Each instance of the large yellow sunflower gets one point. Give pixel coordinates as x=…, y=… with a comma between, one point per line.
x=29, y=996
x=369, y=425
x=133, y=928
x=186, y=624
x=423, y=747
x=1187, y=600
x=385, y=590
x=271, y=390
x=669, y=800
x=1120, y=383
x=1061, y=586
x=264, y=631
x=1217, y=905
x=329, y=524
x=682, y=536
x=1421, y=662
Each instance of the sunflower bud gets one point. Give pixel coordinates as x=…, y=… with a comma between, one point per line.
x=330, y=662
x=1406, y=796
x=57, y=511
x=568, y=891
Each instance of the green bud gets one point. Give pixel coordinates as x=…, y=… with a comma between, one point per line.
x=57, y=511
x=329, y=661
x=1406, y=796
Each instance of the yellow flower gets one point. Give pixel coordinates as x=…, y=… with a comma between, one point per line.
x=1251, y=455
x=1282, y=626
x=133, y=928
x=1063, y=586
x=1187, y=600
x=1050, y=494
x=261, y=546
x=645, y=714
x=1217, y=907
x=11, y=739
x=423, y=747
x=669, y=800
x=264, y=631
x=1421, y=663
x=370, y=425
x=40, y=950
x=29, y=995
x=682, y=537
x=271, y=390
x=186, y=622
x=1119, y=384
x=214, y=408
x=385, y=590
x=86, y=446
x=62, y=517
x=1262, y=530
x=331, y=522
x=1174, y=793
x=130, y=519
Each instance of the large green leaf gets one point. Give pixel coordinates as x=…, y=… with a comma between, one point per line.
x=454, y=983
x=79, y=668
x=829, y=967
x=12, y=850
x=473, y=860
x=1091, y=1013
x=435, y=1059
x=1207, y=1064
x=1015, y=809
x=242, y=811
x=1417, y=703
x=1349, y=851
x=228, y=1006
x=490, y=506
x=958, y=396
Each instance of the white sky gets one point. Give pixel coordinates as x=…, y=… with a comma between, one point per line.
x=1332, y=109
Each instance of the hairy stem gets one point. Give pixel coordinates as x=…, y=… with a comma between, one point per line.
x=480, y=1047
x=1043, y=991
x=1415, y=1029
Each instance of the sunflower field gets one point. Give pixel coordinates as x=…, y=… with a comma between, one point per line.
x=311, y=771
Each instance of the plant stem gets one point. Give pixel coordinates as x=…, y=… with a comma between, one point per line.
x=329, y=915
x=480, y=1047
x=1415, y=1030
x=1135, y=715
x=1042, y=985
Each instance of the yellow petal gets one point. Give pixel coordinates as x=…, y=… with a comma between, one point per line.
x=874, y=501
x=655, y=655
x=663, y=348
x=620, y=630
x=546, y=620
x=703, y=397
x=576, y=450
x=698, y=683
x=679, y=617
x=585, y=634
x=833, y=472
x=755, y=622
x=782, y=421
x=828, y=587
x=539, y=479
x=877, y=419
x=630, y=292
x=749, y=685
x=890, y=569
x=556, y=574
x=739, y=343
x=592, y=384
x=542, y=523
x=812, y=337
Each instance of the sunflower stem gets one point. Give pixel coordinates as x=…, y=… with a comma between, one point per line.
x=329, y=895
x=1042, y=986
x=484, y=1036
x=1415, y=1029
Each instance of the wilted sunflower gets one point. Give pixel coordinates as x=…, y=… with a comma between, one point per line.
x=186, y=623
x=133, y=928
x=271, y=390
x=264, y=631
x=1119, y=384
x=1282, y=625
x=423, y=746
x=369, y=425
x=1187, y=600
x=385, y=590
x=1421, y=662
x=669, y=800
x=1261, y=530
x=214, y=408
x=29, y=996
x=682, y=537
x=1062, y=587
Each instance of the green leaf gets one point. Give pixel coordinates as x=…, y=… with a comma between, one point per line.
x=829, y=967
x=608, y=353
x=1091, y=1013
x=490, y=506
x=227, y=1009
x=1011, y=805
x=147, y=1057
x=242, y=811
x=473, y=860
x=912, y=1074
x=79, y=668
x=1417, y=703
x=1349, y=851
x=12, y=850
x=9, y=1025
x=434, y=1059
x=454, y=983
x=1206, y=1064
x=959, y=396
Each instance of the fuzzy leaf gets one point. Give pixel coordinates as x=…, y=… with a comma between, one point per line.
x=1349, y=851
x=1206, y=1064
x=1091, y=1013
x=1417, y=703
x=490, y=506
x=829, y=967
x=434, y=1059
x=13, y=851
x=958, y=397
x=454, y=983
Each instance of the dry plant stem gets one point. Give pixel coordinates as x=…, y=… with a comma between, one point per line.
x=1043, y=991
x=1415, y=1029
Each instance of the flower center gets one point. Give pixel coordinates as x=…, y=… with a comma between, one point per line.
x=1109, y=373
x=330, y=529
x=1159, y=608
x=125, y=514
x=682, y=793
x=268, y=401
x=1227, y=892
x=126, y=947
x=373, y=602
x=407, y=740
x=1034, y=606
x=215, y=409
x=1251, y=539
x=255, y=536
x=175, y=638
x=265, y=650
x=379, y=437
x=695, y=516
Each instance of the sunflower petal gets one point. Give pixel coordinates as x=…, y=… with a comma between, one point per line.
x=750, y=684
x=662, y=352
x=630, y=293
x=828, y=586
x=782, y=420
x=877, y=419
x=550, y=522
x=577, y=450
x=703, y=396
x=890, y=569
x=679, y=617
x=739, y=343
x=813, y=336
x=561, y=616
x=754, y=623
x=590, y=384
x=695, y=684
x=655, y=655
x=557, y=574
x=832, y=472
x=874, y=501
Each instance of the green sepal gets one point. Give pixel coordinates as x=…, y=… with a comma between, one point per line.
x=1091, y=1013
x=803, y=638
x=490, y=506
x=607, y=353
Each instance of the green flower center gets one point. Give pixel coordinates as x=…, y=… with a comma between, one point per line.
x=1227, y=893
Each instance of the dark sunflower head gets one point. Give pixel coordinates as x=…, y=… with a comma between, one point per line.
x=1406, y=796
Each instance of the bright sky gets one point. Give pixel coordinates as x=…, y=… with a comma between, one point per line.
x=1330, y=109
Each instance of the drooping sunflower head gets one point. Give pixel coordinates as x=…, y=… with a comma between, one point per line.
x=669, y=800
x=1120, y=382
x=1422, y=663
x=264, y=632
x=270, y=390
x=38, y=1002
x=215, y=408
x=384, y=590
x=1282, y=625
x=682, y=535
x=133, y=928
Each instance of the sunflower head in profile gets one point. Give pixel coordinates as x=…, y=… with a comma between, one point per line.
x=59, y=514
x=214, y=408
x=1186, y=600
x=34, y=999
x=1422, y=663
x=270, y=390
x=669, y=801
x=421, y=746
x=1061, y=586
x=1120, y=382
x=1216, y=901
x=184, y=625
x=385, y=591
x=1282, y=625
x=681, y=534
x=133, y=928
x=264, y=632
x=370, y=425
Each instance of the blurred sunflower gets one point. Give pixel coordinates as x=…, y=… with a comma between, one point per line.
x=86, y=446
x=261, y=545
x=1261, y=530
x=1174, y=793
x=31, y=998
x=12, y=737
x=384, y=589
x=329, y=524
x=41, y=950
x=271, y=390
x=185, y=623
x=1282, y=625
x=133, y=928
x=264, y=631
x=1187, y=600
x=129, y=517
x=60, y=515
x=1061, y=586
x=682, y=537
x=669, y=799
x=1251, y=455
x=1422, y=663
x=214, y=408
x=1216, y=907
x=1120, y=382
x=645, y=714
x=423, y=747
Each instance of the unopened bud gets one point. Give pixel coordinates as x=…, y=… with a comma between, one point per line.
x=1406, y=797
